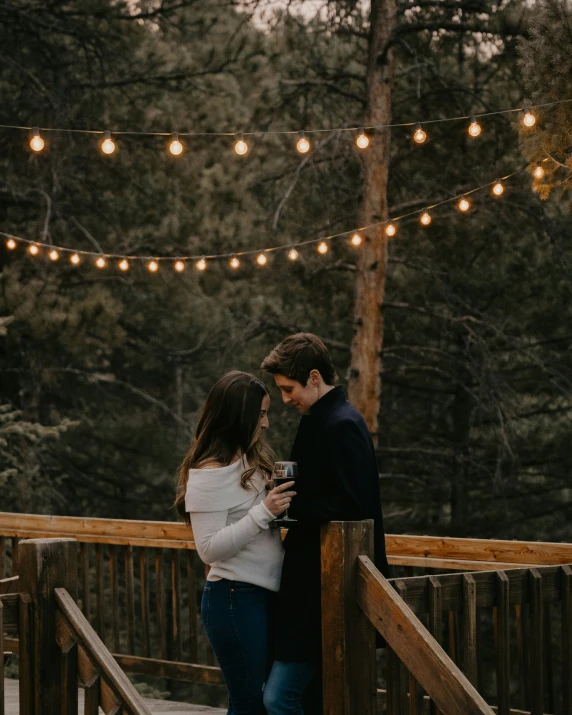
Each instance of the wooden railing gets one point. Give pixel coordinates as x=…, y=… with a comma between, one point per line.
x=58, y=649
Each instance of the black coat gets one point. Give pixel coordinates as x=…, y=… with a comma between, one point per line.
x=338, y=481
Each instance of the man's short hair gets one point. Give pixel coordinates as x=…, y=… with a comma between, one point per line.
x=297, y=355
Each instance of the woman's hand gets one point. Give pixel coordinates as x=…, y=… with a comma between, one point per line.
x=278, y=500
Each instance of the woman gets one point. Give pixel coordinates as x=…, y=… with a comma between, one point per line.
x=223, y=493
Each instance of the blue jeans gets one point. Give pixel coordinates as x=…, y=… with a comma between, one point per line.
x=237, y=618
x=288, y=684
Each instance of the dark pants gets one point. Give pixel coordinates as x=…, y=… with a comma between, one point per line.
x=237, y=618
x=294, y=688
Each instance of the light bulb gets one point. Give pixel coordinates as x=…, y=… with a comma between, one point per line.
x=175, y=147
x=11, y=244
x=420, y=136
x=474, y=128
x=234, y=262
x=153, y=266
x=498, y=189
x=303, y=145
x=100, y=263
x=363, y=140
x=323, y=247
x=75, y=259
x=240, y=146
x=107, y=145
x=390, y=229
x=539, y=170
x=124, y=265
x=356, y=239
x=426, y=219
x=36, y=142
x=33, y=250
x=293, y=254
x=201, y=264
x=179, y=266
x=53, y=255
x=529, y=119
x=464, y=205
x=261, y=259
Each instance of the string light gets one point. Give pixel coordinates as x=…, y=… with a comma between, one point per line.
x=293, y=254
x=33, y=250
x=75, y=259
x=474, y=128
x=36, y=142
x=303, y=145
x=175, y=147
x=390, y=230
x=201, y=264
x=234, y=262
x=356, y=239
x=420, y=136
x=425, y=219
x=101, y=262
x=464, y=205
x=153, y=266
x=362, y=140
x=179, y=266
x=53, y=255
x=240, y=146
x=10, y=244
x=539, y=170
x=323, y=248
x=498, y=188
x=529, y=120
x=261, y=259
x=107, y=145
x=124, y=265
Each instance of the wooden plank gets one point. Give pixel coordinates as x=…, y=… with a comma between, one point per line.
x=548, y=660
x=435, y=622
x=85, y=600
x=161, y=619
x=99, y=591
x=192, y=591
x=424, y=658
x=211, y=658
x=392, y=680
x=113, y=584
x=108, y=667
x=2, y=564
x=26, y=657
x=9, y=585
x=129, y=598
x=46, y=564
x=536, y=644
x=566, y=639
x=348, y=640
x=523, y=682
x=470, y=628
x=15, y=542
x=401, y=671
x=171, y=670
x=68, y=682
x=452, y=564
x=176, y=604
x=11, y=605
x=91, y=695
x=145, y=614
x=1, y=659
x=502, y=645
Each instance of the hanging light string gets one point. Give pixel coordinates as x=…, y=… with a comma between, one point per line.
x=180, y=262
x=303, y=144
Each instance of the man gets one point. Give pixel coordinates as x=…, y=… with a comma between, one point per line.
x=338, y=480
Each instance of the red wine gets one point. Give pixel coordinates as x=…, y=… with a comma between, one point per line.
x=279, y=481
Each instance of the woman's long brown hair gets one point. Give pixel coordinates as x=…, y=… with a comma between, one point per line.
x=228, y=426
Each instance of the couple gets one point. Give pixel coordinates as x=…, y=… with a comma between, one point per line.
x=261, y=602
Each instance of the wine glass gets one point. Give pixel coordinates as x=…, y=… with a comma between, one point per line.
x=285, y=472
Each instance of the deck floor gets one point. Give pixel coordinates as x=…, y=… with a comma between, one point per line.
x=157, y=707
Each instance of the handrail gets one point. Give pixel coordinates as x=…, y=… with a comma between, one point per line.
x=432, y=668
x=94, y=660
x=425, y=551
x=9, y=585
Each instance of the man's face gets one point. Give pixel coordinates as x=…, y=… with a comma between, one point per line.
x=299, y=396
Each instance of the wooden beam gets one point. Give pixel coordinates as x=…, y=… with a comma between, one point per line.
x=454, y=564
x=348, y=640
x=170, y=670
x=416, y=648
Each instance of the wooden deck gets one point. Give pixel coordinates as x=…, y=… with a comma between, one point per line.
x=157, y=707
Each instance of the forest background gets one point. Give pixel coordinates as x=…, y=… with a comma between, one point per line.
x=102, y=374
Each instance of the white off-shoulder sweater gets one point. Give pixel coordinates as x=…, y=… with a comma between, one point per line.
x=231, y=526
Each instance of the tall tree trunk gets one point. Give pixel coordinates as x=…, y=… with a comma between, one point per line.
x=365, y=367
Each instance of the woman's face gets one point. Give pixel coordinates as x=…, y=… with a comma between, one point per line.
x=263, y=422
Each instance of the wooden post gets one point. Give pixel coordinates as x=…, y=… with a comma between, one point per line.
x=348, y=639
x=44, y=565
